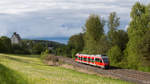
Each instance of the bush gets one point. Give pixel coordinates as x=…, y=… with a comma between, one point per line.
x=115, y=55
x=44, y=54
x=51, y=60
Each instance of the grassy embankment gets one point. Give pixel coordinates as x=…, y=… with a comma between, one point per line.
x=27, y=69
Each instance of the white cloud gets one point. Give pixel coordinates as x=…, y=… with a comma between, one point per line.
x=56, y=18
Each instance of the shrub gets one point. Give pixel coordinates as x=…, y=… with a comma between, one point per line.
x=51, y=60
x=44, y=54
x=115, y=55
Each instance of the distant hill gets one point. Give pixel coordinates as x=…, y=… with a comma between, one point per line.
x=55, y=39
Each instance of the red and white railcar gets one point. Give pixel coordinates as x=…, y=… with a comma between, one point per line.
x=96, y=60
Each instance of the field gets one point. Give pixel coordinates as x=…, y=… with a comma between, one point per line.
x=28, y=69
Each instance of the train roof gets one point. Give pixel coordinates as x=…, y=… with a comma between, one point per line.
x=97, y=55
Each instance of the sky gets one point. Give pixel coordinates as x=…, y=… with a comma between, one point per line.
x=57, y=20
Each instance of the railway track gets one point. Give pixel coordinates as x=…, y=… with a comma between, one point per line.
x=134, y=76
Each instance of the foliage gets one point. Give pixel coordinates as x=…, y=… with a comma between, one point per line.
x=52, y=60
x=33, y=48
x=45, y=43
x=73, y=52
x=64, y=51
x=5, y=44
x=115, y=55
x=144, y=50
x=115, y=36
x=113, y=23
x=44, y=54
x=37, y=48
x=119, y=38
x=136, y=31
x=93, y=34
x=76, y=42
x=20, y=49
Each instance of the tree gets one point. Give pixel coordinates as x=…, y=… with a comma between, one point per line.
x=37, y=48
x=136, y=31
x=17, y=49
x=144, y=49
x=1, y=46
x=44, y=54
x=115, y=55
x=114, y=21
x=120, y=39
x=94, y=31
x=5, y=44
x=76, y=42
x=113, y=24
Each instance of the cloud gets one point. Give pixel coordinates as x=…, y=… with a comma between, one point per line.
x=56, y=18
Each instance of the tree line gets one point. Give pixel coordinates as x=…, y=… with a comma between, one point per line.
x=126, y=49
x=27, y=46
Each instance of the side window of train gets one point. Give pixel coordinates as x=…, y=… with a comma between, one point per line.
x=88, y=59
x=91, y=60
x=78, y=58
x=100, y=60
x=82, y=58
x=85, y=59
x=96, y=60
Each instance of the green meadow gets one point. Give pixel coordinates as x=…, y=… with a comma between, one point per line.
x=28, y=69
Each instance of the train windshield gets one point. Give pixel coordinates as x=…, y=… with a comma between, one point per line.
x=105, y=60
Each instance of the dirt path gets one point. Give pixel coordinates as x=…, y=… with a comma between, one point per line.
x=123, y=74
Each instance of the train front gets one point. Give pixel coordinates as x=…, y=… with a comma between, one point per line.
x=105, y=61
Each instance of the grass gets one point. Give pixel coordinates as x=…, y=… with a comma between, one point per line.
x=9, y=76
x=28, y=69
